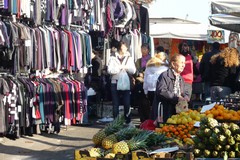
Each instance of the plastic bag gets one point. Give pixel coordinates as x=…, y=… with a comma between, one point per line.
x=123, y=82
x=181, y=106
x=159, y=118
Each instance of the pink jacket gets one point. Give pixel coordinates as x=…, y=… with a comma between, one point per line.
x=187, y=73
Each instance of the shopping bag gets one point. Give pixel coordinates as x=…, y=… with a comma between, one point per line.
x=159, y=118
x=181, y=106
x=123, y=82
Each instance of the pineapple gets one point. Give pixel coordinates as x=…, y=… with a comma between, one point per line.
x=121, y=147
x=136, y=142
x=110, y=128
x=123, y=134
x=108, y=142
x=98, y=137
x=156, y=139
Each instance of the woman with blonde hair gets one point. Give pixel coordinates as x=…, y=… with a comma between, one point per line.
x=154, y=67
x=223, y=73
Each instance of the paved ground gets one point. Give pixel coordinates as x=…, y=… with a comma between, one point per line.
x=51, y=146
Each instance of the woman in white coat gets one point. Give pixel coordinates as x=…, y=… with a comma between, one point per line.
x=120, y=60
x=155, y=66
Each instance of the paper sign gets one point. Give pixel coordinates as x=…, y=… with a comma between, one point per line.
x=215, y=36
x=207, y=107
x=196, y=124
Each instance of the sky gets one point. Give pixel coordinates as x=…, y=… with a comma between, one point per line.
x=193, y=10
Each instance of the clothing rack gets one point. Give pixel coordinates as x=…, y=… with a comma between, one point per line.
x=74, y=26
x=3, y=74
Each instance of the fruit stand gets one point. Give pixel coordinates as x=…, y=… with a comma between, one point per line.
x=212, y=132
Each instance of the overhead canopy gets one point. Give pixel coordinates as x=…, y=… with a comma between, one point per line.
x=179, y=31
x=226, y=14
x=230, y=7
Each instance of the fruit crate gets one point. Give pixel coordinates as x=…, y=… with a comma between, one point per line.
x=83, y=155
x=216, y=159
x=163, y=156
x=118, y=157
x=139, y=154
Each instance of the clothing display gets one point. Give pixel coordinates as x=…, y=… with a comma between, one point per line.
x=27, y=102
x=43, y=37
x=45, y=47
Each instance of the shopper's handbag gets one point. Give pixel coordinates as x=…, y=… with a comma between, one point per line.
x=181, y=106
x=159, y=118
x=123, y=82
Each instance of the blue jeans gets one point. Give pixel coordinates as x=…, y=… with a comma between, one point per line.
x=121, y=97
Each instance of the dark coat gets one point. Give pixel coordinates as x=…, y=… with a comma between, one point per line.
x=164, y=94
x=221, y=75
x=205, y=65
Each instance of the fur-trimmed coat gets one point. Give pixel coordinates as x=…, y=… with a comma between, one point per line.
x=153, y=70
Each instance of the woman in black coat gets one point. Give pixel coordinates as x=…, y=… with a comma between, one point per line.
x=223, y=73
x=170, y=88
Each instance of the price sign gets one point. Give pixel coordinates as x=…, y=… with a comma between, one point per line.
x=215, y=36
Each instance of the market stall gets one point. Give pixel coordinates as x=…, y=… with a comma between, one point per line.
x=211, y=132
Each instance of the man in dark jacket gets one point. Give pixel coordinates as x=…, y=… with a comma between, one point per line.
x=205, y=66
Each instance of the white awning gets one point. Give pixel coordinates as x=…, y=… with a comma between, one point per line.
x=179, y=31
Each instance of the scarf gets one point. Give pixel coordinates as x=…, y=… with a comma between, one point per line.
x=176, y=88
